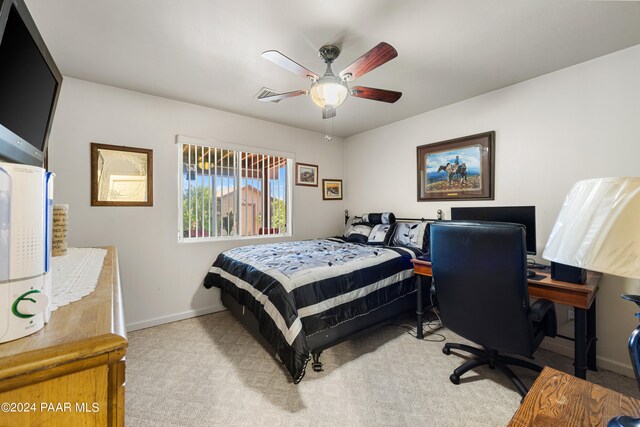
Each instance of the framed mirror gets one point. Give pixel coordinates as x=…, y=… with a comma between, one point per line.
x=121, y=176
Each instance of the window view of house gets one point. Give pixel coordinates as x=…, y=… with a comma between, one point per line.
x=232, y=193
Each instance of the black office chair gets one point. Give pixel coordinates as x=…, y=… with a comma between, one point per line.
x=480, y=278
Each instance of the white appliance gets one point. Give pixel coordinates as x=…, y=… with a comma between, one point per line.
x=48, y=231
x=23, y=250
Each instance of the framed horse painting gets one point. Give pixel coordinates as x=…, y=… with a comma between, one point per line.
x=457, y=169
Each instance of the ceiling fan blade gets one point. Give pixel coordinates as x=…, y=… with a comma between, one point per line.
x=288, y=64
x=328, y=112
x=280, y=96
x=383, y=95
x=377, y=56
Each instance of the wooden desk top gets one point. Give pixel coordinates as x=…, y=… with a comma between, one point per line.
x=559, y=399
x=422, y=267
x=91, y=326
x=576, y=295
x=580, y=296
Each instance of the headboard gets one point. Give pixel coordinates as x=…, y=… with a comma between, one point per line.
x=440, y=217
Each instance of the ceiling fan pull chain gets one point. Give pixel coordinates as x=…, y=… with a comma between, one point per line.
x=328, y=129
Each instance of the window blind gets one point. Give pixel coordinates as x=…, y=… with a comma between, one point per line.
x=233, y=193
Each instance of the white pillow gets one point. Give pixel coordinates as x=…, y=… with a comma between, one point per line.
x=379, y=234
x=351, y=222
x=360, y=234
x=410, y=234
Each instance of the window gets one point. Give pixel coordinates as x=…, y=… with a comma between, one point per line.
x=230, y=191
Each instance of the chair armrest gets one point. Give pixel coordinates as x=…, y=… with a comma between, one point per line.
x=543, y=311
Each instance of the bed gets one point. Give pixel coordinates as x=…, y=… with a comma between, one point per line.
x=302, y=297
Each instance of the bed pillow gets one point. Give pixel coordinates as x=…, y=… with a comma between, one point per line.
x=360, y=234
x=379, y=218
x=412, y=235
x=380, y=234
x=426, y=244
x=351, y=223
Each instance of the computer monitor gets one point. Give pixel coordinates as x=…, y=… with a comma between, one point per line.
x=525, y=215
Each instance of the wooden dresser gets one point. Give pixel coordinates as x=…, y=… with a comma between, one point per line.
x=71, y=372
x=562, y=400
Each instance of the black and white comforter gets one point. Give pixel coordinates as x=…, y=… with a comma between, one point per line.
x=296, y=289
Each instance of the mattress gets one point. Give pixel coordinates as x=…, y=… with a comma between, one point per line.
x=300, y=288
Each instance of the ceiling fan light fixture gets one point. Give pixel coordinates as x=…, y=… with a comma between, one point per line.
x=329, y=92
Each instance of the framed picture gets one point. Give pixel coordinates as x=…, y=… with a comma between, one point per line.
x=306, y=174
x=121, y=176
x=457, y=169
x=331, y=189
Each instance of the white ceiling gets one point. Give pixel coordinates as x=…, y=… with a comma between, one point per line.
x=207, y=52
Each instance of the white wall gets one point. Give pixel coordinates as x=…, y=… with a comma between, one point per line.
x=580, y=122
x=161, y=279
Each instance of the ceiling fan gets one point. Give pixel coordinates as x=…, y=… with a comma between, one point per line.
x=330, y=91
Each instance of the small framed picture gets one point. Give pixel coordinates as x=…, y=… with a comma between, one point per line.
x=331, y=189
x=121, y=176
x=306, y=174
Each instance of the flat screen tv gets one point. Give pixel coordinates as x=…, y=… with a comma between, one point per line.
x=525, y=215
x=29, y=86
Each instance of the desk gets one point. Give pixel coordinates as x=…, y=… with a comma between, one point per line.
x=558, y=399
x=581, y=297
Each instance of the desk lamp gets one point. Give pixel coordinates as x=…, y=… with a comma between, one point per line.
x=598, y=229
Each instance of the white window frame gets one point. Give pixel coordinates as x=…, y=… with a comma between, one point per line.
x=182, y=140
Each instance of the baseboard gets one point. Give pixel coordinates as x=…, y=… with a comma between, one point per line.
x=615, y=366
x=556, y=347
x=602, y=362
x=174, y=317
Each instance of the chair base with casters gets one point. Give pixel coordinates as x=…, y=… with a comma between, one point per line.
x=494, y=360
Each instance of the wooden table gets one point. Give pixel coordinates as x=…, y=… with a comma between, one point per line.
x=75, y=361
x=581, y=297
x=559, y=399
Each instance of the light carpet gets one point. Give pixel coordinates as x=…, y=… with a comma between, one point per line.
x=209, y=371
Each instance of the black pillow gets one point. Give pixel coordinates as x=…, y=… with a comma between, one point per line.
x=387, y=239
x=426, y=244
x=379, y=218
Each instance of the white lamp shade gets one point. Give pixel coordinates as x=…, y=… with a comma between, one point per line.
x=329, y=92
x=598, y=227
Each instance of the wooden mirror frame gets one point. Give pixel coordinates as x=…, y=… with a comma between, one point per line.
x=95, y=147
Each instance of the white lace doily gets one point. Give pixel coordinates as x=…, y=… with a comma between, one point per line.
x=75, y=274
